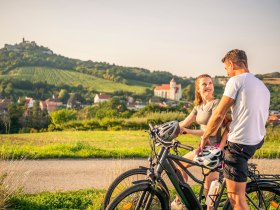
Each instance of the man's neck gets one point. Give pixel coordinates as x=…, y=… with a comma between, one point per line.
x=240, y=71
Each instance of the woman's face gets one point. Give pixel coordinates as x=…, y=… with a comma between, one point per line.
x=206, y=88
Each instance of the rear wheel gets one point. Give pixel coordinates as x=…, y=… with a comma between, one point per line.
x=140, y=196
x=266, y=196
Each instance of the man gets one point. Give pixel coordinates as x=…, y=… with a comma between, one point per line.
x=249, y=100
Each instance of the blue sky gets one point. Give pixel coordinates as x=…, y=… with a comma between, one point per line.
x=184, y=37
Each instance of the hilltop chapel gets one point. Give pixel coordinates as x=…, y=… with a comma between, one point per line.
x=171, y=91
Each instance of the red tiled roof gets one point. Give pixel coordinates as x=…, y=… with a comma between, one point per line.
x=165, y=87
x=272, y=118
x=104, y=96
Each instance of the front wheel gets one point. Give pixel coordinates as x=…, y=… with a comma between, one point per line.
x=141, y=196
x=124, y=181
x=261, y=195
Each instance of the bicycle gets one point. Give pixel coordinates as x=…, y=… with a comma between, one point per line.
x=126, y=179
x=262, y=192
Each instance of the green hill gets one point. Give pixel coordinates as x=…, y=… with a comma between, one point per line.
x=60, y=77
x=26, y=54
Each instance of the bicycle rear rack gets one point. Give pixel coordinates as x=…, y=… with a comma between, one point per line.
x=256, y=174
x=273, y=177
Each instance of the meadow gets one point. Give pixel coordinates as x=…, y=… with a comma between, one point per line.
x=102, y=144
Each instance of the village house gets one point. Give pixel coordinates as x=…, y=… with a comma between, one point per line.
x=274, y=119
x=170, y=91
x=135, y=105
x=155, y=101
x=50, y=104
x=99, y=98
x=28, y=101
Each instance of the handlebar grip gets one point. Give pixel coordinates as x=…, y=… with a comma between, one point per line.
x=151, y=127
x=186, y=147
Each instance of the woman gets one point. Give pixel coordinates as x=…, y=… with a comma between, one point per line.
x=205, y=104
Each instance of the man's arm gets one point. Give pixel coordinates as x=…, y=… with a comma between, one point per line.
x=216, y=119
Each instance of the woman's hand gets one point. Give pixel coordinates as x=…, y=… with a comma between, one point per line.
x=184, y=130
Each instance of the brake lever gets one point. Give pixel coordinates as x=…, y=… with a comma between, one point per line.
x=175, y=146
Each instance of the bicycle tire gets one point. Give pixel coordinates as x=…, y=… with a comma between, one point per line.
x=126, y=178
x=270, y=192
x=141, y=196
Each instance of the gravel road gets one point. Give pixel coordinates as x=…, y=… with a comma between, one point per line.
x=62, y=175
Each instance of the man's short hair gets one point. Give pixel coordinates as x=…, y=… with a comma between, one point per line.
x=236, y=56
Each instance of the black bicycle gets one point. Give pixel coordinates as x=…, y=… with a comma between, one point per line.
x=262, y=192
x=126, y=180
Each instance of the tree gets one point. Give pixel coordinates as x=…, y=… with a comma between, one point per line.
x=15, y=111
x=5, y=121
x=189, y=92
x=61, y=116
x=63, y=96
x=9, y=89
x=72, y=101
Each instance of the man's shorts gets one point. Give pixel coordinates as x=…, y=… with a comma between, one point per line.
x=236, y=160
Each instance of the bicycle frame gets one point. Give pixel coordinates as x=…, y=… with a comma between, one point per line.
x=166, y=163
x=169, y=163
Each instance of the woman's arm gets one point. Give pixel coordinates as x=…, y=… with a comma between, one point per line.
x=192, y=132
x=189, y=120
x=185, y=123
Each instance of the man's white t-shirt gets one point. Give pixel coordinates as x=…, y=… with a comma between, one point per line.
x=250, y=110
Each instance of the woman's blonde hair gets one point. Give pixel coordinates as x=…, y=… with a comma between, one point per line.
x=198, y=98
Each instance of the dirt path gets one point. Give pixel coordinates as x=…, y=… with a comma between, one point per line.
x=62, y=175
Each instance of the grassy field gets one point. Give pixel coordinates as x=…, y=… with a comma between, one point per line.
x=71, y=78
x=90, y=199
x=101, y=144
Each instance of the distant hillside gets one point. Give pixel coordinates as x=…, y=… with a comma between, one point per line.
x=29, y=54
x=269, y=75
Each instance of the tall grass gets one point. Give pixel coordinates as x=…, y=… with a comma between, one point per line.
x=10, y=181
x=161, y=117
x=271, y=147
x=90, y=199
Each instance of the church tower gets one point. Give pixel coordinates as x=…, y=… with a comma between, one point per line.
x=172, y=91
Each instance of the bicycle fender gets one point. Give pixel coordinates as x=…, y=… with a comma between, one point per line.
x=162, y=187
x=263, y=183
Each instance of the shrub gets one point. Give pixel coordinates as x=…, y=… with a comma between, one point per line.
x=162, y=117
x=33, y=130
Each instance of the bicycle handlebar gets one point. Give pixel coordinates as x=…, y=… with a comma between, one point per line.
x=183, y=146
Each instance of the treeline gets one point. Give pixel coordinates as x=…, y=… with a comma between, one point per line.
x=269, y=75
x=110, y=115
x=30, y=54
x=274, y=96
x=13, y=89
x=20, y=119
